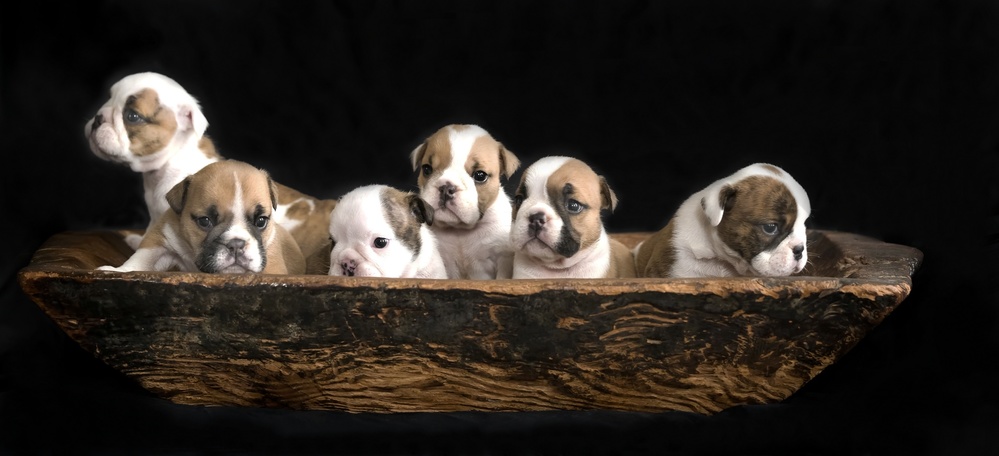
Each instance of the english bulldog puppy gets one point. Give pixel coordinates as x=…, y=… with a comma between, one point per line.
x=751, y=223
x=379, y=231
x=218, y=221
x=557, y=228
x=154, y=126
x=460, y=173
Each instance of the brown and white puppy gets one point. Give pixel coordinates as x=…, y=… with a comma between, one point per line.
x=154, y=126
x=751, y=223
x=219, y=221
x=557, y=229
x=460, y=169
x=379, y=231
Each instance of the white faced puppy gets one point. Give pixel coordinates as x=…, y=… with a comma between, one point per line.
x=219, y=221
x=379, y=231
x=557, y=230
x=154, y=126
x=460, y=169
x=751, y=223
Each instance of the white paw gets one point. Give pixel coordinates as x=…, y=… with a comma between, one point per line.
x=133, y=240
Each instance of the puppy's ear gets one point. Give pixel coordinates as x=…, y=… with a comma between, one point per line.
x=177, y=196
x=416, y=156
x=190, y=117
x=272, y=186
x=608, y=199
x=423, y=212
x=508, y=161
x=717, y=201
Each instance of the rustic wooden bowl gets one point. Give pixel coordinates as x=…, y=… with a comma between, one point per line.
x=402, y=345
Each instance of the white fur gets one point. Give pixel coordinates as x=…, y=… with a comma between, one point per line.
x=161, y=170
x=357, y=220
x=534, y=256
x=471, y=247
x=700, y=251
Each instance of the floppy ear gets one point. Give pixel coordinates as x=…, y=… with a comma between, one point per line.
x=177, y=196
x=417, y=155
x=717, y=201
x=423, y=212
x=608, y=200
x=190, y=117
x=508, y=161
x=274, y=191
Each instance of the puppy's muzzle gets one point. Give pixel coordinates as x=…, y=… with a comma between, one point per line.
x=349, y=267
x=236, y=247
x=536, y=223
x=447, y=192
x=797, y=251
x=98, y=121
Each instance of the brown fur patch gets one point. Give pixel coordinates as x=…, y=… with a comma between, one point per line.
x=587, y=188
x=752, y=202
x=157, y=127
x=399, y=213
x=436, y=152
x=773, y=169
x=622, y=262
x=312, y=235
x=486, y=156
x=207, y=147
x=656, y=256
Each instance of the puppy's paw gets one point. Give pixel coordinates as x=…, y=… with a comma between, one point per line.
x=133, y=240
x=109, y=268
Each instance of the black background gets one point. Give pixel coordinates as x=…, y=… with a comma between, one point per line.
x=885, y=111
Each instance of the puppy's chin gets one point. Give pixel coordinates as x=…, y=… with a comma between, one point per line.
x=778, y=264
x=104, y=143
x=221, y=261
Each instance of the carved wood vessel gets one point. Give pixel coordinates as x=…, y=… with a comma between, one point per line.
x=402, y=345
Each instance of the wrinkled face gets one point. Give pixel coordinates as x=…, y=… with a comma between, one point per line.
x=225, y=212
x=557, y=210
x=459, y=170
x=765, y=225
x=376, y=232
x=146, y=114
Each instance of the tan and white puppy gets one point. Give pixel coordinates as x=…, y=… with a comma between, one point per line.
x=557, y=228
x=379, y=231
x=219, y=221
x=751, y=223
x=461, y=169
x=154, y=126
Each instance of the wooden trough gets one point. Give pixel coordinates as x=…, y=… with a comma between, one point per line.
x=402, y=345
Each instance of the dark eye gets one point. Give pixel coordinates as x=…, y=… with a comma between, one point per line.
x=132, y=117
x=332, y=243
x=518, y=199
x=769, y=229
x=261, y=222
x=427, y=170
x=204, y=222
x=480, y=176
x=574, y=206
x=380, y=243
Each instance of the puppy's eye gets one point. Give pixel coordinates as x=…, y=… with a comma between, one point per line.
x=204, y=222
x=574, y=206
x=427, y=170
x=769, y=229
x=132, y=117
x=261, y=222
x=332, y=243
x=518, y=199
x=380, y=243
x=480, y=176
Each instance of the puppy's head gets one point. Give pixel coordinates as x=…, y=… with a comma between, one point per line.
x=224, y=211
x=557, y=210
x=147, y=118
x=759, y=213
x=460, y=168
x=378, y=231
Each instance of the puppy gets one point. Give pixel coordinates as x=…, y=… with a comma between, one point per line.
x=751, y=223
x=219, y=221
x=557, y=230
x=379, y=231
x=154, y=126
x=460, y=172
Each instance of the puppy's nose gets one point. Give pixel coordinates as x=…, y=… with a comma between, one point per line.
x=235, y=245
x=536, y=222
x=348, y=267
x=98, y=120
x=798, y=250
x=447, y=190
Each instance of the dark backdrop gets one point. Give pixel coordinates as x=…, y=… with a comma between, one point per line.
x=886, y=112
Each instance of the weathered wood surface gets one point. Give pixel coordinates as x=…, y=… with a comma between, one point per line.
x=400, y=345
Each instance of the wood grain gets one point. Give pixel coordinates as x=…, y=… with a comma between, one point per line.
x=404, y=345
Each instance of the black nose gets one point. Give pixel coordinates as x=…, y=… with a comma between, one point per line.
x=447, y=190
x=235, y=245
x=537, y=221
x=98, y=120
x=797, y=250
x=348, y=267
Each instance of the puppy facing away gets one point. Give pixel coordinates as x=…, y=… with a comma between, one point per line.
x=751, y=223
x=460, y=172
x=379, y=231
x=154, y=126
x=219, y=221
x=557, y=229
